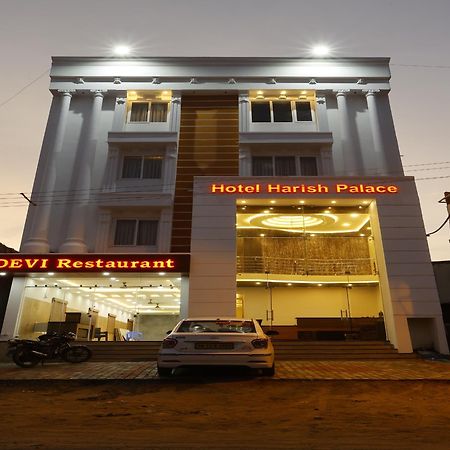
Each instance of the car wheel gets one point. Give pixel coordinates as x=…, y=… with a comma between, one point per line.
x=269, y=371
x=164, y=371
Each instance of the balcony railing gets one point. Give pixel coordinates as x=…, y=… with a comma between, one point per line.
x=290, y=266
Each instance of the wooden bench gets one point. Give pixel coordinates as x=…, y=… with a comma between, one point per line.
x=335, y=328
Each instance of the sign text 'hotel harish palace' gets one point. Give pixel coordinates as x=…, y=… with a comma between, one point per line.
x=302, y=189
x=267, y=188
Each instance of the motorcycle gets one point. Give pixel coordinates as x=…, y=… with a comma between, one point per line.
x=27, y=353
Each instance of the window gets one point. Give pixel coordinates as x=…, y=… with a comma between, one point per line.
x=142, y=167
x=261, y=112
x=281, y=111
x=135, y=232
x=284, y=166
x=148, y=112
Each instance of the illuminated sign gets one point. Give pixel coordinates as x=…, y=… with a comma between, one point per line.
x=17, y=262
x=319, y=188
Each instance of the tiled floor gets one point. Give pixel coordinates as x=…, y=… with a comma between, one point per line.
x=416, y=369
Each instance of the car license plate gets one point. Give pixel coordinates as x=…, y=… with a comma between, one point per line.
x=214, y=345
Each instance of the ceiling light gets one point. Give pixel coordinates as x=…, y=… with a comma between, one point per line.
x=303, y=92
x=354, y=215
x=345, y=224
x=366, y=202
x=260, y=95
x=51, y=273
x=162, y=273
x=282, y=95
x=333, y=202
x=266, y=211
x=262, y=235
x=273, y=201
x=289, y=284
x=320, y=284
x=105, y=274
x=302, y=201
x=362, y=234
x=2, y=274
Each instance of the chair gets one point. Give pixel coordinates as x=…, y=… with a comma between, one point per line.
x=98, y=334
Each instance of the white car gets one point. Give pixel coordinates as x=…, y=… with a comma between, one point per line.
x=216, y=342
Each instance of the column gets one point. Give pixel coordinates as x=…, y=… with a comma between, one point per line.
x=347, y=153
x=169, y=169
x=175, y=112
x=38, y=236
x=120, y=113
x=379, y=159
x=244, y=112
x=81, y=183
x=322, y=115
x=245, y=162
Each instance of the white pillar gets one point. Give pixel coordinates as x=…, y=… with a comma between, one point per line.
x=184, y=297
x=120, y=113
x=37, y=242
x=347, y=145
x=13, y=309
x=245, y=162
x=322, y=115
x=175, y=112
x=76, y=235
x=375, y=125
x=244, y=112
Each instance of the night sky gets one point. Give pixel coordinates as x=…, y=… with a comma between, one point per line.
x=414, y=33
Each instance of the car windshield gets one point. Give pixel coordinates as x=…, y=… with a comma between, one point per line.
x=217, y=326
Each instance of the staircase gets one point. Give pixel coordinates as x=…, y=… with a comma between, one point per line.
x=326, y=350
x=124, y=351
x=284, y=350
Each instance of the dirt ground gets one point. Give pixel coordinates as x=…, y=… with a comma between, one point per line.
x=236, y=413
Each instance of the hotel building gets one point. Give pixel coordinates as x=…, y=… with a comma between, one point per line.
x=269, y=188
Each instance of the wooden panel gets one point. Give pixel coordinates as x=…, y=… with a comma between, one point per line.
x=208, y=145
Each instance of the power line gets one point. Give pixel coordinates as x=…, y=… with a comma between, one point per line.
x=22, y=89
x=440, y=228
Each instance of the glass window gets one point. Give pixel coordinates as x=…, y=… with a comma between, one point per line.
x=131, y=167
x=262, y=166
x=303, y=111
x=308, y=166
x=216, y=326
x=125, y=232
x=139, y=111
x=152, y=167
x=261, y=112
x=282, y=111
x=147, y=230
x=158, y=112
x=135, y=232
x=285, y=166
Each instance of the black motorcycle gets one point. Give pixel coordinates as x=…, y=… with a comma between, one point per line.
x=28, y=353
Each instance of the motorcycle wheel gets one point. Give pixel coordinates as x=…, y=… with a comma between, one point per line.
x=76, y=354
x=24, y=358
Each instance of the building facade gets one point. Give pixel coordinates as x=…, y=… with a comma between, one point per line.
x=261, y=187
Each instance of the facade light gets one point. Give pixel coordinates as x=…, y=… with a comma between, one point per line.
x=122, y=50
x=320, y=50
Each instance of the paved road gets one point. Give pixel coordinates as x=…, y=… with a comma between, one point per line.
x=416, y=369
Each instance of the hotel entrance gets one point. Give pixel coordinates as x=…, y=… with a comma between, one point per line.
x=308, y=270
